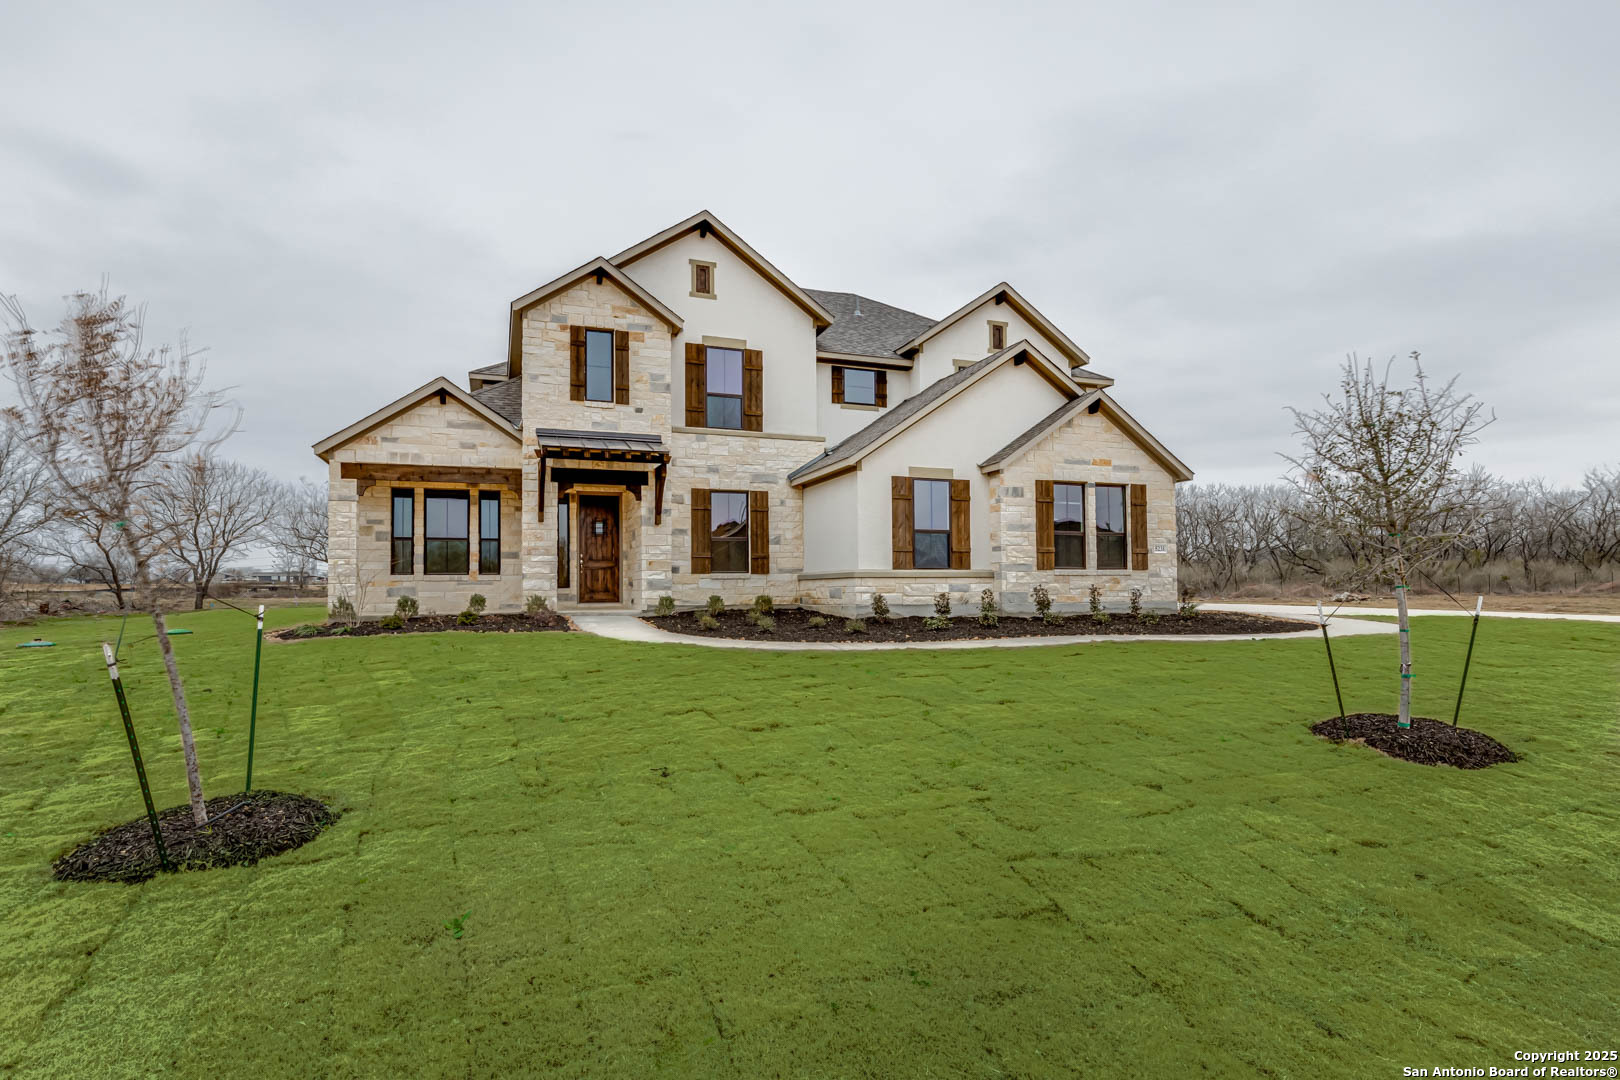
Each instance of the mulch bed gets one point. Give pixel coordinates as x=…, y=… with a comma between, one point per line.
x=1426, y=742
x=267, y=823
x=793, y=624
x=428, y=624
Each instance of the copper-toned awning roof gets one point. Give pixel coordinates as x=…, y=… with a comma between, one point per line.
x=603, y=445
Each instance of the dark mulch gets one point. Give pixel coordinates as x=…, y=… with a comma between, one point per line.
x=266, y=823
x=1426, y=742
x=429, y=624
x=793, y=624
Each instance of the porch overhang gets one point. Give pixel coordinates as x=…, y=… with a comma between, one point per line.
x=369, y=474
x=592, y=446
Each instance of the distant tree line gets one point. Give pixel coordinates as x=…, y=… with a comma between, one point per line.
x=1503, y=536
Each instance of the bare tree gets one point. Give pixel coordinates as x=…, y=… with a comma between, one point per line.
x=24, y=488
x=91, y=551
x=1380, y=464
x=209, y=508
x=107, y=416
x=297, y=533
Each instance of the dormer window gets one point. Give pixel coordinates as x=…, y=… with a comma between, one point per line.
x=998, y=336
x=703, y=279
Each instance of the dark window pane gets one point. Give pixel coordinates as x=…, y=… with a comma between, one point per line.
x=598, y=365
x=730, y=556
x=860, y=386
x=931, y=550
x=489, y=556
x=931, y=504
x=1069, y=503
x=728, y=512
x=1110, y=551
x=444, y=556
x=1110, y=508
x=724, y=412
x=402, y=557
x=724, y=371
x=1071, y=549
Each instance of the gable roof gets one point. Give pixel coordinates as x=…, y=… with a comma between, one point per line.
x=441, y=385
x=496, y=370
x=505, y=397
x=706, y=222
x=1005, y=293
x=599, y=266
x=1064, y=413
x=918, y=405
x=877, y=330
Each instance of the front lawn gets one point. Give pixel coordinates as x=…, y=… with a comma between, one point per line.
x=1117, y=859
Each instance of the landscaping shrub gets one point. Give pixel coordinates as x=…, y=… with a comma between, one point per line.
x=942, y=604
x=396, y=621
x=535, y=604
x=1136, y=602
x=854, y=626
x=1150, y=617
x=665, y=606
x=475, y=607
x=763, y=604
x=1188, y=608
x=937, y=622
x=708, y=622
x=764, y=622
x=987, y=608
x=880, y=607
x=1042, y=600
x=818, y=621
x=1094, y=599
x=406, y=608
x=343, y=610
x=715, y=605
x=308, y=630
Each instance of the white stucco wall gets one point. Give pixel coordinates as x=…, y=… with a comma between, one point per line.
x=840, y=421
x=830, y=513
x=746, y=307
x=969, y=339
x=956, y=436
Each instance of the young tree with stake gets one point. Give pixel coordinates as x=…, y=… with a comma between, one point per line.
x=1380, y=464
x=108, y=417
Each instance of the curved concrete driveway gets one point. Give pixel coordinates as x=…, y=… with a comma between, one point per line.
x=631, y=628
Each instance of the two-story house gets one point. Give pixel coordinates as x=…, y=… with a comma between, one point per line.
x=681, y=419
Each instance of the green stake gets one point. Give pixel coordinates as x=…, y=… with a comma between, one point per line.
x=135, y=752
x=1479, y=606
x=1331, y=669
x=253, y=715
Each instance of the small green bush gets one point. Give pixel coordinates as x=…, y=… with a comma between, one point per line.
x=1042, y=600
x=708, y=622
x=535, y=604
x=665, y=606
x=1094, y=598
x=942, y=604
x=1188, y=609
x=308, y=630
x=342, y=610
x=467, y=618
x=716, y=605
x=476, y=603
x=406, y=608
x=754, y=616
x=765, y=622
x=988, y=615
x=854, y=626
x=392, y=622
x=1150, y=617
x=880, y=607
x=764, y=604
x=818, y=621
x=1136, y=602
x=1051, y=618
x=937, y=622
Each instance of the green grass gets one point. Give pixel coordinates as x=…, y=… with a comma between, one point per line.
x=1122, y=858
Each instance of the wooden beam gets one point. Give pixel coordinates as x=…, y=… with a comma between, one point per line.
x=659, y=475
x=371, y=474
x=542, y=499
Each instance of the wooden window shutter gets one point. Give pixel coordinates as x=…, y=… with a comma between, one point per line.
x=697, y=389
x=621, y=367
x=1045, y=541
x=961, y=527
x=753, y=390
x=1139, y=537
x=759, y=532
x=838, y=386
x=881, y=398
x=576, y=363
x=900, y=500
x=702, y=558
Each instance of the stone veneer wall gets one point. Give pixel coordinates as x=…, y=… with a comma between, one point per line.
x=909, y=592
x=1089, y=449
x=359, y=527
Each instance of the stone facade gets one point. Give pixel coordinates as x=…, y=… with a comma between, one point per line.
x=1089, y=449
x=908, y=592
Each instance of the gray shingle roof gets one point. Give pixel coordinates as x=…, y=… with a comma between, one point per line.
x=896, y=417
x=877, y=331
x=505, y=398
x=492, y=369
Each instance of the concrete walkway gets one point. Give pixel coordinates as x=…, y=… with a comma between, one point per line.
x=1294, y=611
x=629, y=628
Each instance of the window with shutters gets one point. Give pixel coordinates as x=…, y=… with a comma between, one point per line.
x=1069, y=526
x=1111, y=548
x=728, y=531
x=598, y=365
x=444, y=532
x=931, y=524
x=703, y=279
x=860, y=386
x=489, y=532
x=998, y=336
x=402, y=560
x=724, y=399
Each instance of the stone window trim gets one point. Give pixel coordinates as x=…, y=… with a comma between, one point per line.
x=998, y=336
x=702, y=279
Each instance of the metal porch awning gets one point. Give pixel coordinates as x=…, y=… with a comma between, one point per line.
x=625, y=446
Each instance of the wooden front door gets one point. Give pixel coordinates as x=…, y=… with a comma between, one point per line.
x=598, y=549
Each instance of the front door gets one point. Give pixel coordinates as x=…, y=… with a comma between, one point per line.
x=598, y=549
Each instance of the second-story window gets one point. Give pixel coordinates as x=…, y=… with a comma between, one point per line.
x=725, y=378
x=860, y=386
x=598, y=365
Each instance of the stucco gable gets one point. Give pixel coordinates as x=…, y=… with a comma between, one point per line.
x=1003, y=293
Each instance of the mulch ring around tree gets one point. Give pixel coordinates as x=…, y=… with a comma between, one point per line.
x=1426, y=742
x=793, y=624
x=428, y=624
x=265, y=823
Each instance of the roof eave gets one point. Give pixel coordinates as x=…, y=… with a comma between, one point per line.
x=1074, y=352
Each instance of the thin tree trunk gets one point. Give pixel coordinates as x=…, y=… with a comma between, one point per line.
x=1404, y=621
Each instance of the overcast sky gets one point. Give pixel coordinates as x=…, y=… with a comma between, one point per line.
x=340, y=200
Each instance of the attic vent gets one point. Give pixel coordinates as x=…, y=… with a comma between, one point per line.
x=1093, y=407
x=857, y=307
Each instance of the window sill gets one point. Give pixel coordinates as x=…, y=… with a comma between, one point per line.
x=680, y=429
x=859, y=407
x=589, y=404
x=1092, y=570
